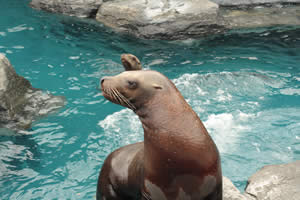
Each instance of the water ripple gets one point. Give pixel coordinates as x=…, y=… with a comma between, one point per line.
x=244, y=86
x=19, y=28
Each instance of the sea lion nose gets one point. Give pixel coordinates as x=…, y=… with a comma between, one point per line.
x=102, y=80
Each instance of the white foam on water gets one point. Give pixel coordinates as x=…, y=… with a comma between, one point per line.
x=74, y=57
x=230, y=87
x=18, y=47
x=211, y=93
x=156, y=62
x=297, y=78
x=290, y=91
x=226, y=128
x=218, y=86
x=250, y=58
x=72, y=79
x=74, y=88
x=185, y=62
x=186, y=84
x=19, y=28
x=222, y=96
x=123, y=127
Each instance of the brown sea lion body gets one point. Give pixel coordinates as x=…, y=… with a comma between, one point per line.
x=178, y=160
x=130, y=62
x=120, y=176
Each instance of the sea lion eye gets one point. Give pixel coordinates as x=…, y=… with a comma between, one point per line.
x=132, y=84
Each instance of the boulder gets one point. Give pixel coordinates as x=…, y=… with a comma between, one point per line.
x=178, y=19
x=20, y=103
x=78, y=8
x=230, y=192
x=275, y=182
x=251, y=2
x=162, y=19
x=175, y=19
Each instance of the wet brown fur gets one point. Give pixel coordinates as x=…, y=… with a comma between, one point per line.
x=178, y=160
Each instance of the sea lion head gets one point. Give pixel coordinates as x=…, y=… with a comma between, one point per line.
x=130, y=62
x=133, y=89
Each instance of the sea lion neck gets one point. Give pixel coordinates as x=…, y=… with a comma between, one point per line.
x=177, y=160
x=159, y=114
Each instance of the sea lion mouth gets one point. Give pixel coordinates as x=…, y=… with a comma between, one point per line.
x=115, y=96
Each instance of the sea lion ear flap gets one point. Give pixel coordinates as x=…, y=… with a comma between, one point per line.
x=130, y=62
x=156, y=86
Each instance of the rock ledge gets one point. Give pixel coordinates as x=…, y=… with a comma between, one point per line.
x=177, y=19
x=275, y=182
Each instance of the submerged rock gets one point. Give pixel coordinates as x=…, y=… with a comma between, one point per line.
x=276, y=182
x=78, y=8
x=20, y=103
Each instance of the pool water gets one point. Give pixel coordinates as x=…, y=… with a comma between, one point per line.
x=245, y=86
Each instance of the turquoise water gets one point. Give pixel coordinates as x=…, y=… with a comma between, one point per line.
x=244, y=86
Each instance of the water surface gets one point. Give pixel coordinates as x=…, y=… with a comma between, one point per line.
x=245, y=86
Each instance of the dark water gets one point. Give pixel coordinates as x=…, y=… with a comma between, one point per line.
x=244, y=86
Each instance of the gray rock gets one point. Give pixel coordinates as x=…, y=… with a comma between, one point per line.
x=20, y=103
x=251, y=2
x=175, y=19
x=79, y=8
x=261, y=16
x=230, y=192
x=275, y=182
x=161, y=19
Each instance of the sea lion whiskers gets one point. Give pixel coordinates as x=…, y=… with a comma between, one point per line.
x=110, y=94
x=107, y=92
x=116, y=96
x=122, y=99
x=127, y=102
x=113, y=94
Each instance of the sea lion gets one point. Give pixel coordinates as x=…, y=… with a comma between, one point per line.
x=130, y=62
x=178, y=160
